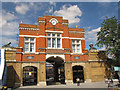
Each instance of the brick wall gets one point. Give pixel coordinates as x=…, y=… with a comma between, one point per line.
x=45, y=24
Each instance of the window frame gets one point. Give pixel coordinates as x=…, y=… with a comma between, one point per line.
x=56, y=37
x=76, y=43
x=29, y=44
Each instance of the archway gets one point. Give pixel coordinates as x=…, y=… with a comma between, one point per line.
x=10, y=76
x=55, y=71
x=29, y=75
x=78, y=72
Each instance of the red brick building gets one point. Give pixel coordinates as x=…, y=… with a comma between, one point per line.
x=52, y=53
x=54, y=42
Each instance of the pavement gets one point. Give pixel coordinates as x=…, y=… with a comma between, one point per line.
x=82, y=85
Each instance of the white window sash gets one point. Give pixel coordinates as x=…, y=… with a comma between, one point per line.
x=29, y=43
x=54, y=43
x=77, y=49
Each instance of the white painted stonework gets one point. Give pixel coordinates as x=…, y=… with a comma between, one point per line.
x=77, y=64
x=55, y=55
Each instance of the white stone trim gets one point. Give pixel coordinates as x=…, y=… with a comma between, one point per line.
x=31, y=36
x=30, y=64
x=77, y=53
x=19, y=47
x=79, y=64
x=94, y=51
x=95, y=60
x=65, y=37
x=9, y=49
x=88, y=80
x=11, y=60
x=46, y=36
x=41, y=36
x=65, y=23
x=28, y=28
x=69, y=81
x=32, y=52
x=55, y=48
x=76, y=32
x=27, y=36
x=55, y=55
x=78, y=38
x=41, y=21
x=54, y=31
x=41, y=84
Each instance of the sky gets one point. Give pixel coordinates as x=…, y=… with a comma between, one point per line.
x=87, y=15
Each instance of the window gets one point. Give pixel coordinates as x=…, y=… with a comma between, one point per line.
x=30, y=57
x=54, y=40
x=76, y=57
x=76, y=46
x=58, y=42
x=29, y=44
x=26, y=47
x=48, y=42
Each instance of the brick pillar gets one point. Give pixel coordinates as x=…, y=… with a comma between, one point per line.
x=42, y=74
x=68, y=73
x=19, y=76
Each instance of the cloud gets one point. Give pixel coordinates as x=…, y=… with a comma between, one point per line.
x=50, y=10
x=91, y=36
x=52, y=3
x=31, y=3
x=87, y=28
x=0, y=21
x=5, y=40
x=102, y=48
x=71, y=12
x=94, y=30
x=8, y=16
x=9, y=27
x=22, y=9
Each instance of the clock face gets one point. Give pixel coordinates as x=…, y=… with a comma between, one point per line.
x=53, y=22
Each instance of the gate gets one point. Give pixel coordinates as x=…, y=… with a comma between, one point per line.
x=55, y=71
x=29, y=75
x=78, y=73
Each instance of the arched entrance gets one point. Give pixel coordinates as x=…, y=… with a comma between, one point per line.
x=55, y=71
x=78, y=72
x=29, y=75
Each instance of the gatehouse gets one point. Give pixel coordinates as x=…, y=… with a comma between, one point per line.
x=51, y=53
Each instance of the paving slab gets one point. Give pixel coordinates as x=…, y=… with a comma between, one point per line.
x=82, y=85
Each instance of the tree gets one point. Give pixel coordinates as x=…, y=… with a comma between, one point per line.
x=109, y=36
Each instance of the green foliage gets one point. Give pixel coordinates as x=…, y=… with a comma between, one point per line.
x=109, y=36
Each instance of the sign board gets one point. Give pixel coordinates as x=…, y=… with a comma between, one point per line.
x=30, y=73
x=117, y=68
x=30, y=57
